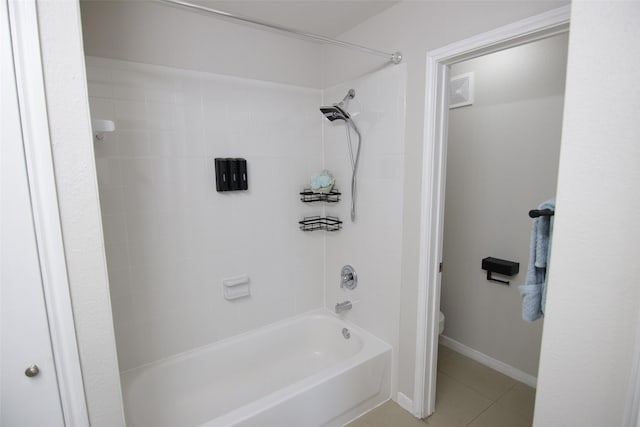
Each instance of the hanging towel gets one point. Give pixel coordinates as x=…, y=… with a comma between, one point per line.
x=534, y=290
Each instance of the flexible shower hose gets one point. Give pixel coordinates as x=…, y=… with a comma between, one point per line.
x=354, y=164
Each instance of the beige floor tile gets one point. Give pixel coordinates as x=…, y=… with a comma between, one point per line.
x=521, y=400
x=466, y=395
x=443, y=352
x=389, y=414
x=499, y=415
x=456, y=404
x=491, y=384
x=358, y=423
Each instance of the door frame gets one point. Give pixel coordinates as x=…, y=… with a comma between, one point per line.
x=27, y=66
x=434, y=157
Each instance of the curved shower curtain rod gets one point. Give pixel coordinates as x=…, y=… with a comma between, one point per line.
x=395, y=57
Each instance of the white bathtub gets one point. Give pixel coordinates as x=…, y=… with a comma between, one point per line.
x=300, y=372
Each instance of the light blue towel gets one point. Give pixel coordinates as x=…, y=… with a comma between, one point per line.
x=534, y=290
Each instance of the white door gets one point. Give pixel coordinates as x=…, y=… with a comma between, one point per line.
x=28, y=383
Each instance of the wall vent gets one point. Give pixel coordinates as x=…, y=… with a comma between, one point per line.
x=461, y=90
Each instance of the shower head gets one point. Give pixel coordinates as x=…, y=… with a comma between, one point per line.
x=338, y=111
x=334, y=113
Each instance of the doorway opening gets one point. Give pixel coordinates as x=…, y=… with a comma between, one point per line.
x=442, y=65
x=502, y=161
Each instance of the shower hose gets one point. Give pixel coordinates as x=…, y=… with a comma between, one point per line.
x=354, y=164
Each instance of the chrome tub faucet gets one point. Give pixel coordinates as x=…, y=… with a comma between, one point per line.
x=343, y=306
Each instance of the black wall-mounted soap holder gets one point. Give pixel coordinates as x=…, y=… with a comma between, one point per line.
x=500, y=266
x=231, y=174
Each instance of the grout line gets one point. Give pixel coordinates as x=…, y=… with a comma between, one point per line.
x=489, y=369
x=505, y=393
x=482, y=412
x=467, y=386
x=324, y=210
x=517, y=413
x=493, y=403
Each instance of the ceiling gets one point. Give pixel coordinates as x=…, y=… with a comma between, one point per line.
x=326, y=17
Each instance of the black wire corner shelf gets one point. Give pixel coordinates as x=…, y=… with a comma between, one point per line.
x=308, y=196
x=320, y=223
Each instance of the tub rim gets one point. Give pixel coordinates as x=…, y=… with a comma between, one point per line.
x=320, y=313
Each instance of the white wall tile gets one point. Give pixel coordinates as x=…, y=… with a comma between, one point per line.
x=161, y=87
x=181, y=237
x=108, y=171
x=130, y=114
x=133, y=143
x=115, y=229
x=138, y=172
x=162, y=115
x=107, y=147
x=99, y=81
x=117, y=259
x=372, y=244
x=128, y=84
x=172, y=237
x=101, y=108
x=111, y=200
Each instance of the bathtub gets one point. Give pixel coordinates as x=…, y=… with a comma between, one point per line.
x=299, y=372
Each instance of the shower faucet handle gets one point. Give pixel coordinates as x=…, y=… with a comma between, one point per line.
x=348, y=278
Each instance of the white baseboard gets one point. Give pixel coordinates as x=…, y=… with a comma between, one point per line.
x=489, y=361
x=404, y=402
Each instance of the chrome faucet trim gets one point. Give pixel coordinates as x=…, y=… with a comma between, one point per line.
x=348, y=278
x=343, y=306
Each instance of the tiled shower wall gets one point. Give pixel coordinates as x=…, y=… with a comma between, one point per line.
x=170, y=237
x=373, y=243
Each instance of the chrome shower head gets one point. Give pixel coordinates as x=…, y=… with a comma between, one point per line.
x=334, y=113
x=338, y=111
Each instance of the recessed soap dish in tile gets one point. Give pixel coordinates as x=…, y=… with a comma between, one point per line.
x=236, y=287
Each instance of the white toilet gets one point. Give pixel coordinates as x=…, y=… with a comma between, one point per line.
x=441, y=323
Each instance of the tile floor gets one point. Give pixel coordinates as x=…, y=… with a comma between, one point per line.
x=468, y=394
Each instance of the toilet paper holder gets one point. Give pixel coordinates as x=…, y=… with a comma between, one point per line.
x=500, y=266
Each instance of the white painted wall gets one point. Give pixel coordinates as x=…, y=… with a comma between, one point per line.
x=594, y=297
x=502, y=161
x=415, y=28
x=371, y=244
x=170, y=237
x=155, y=33
x=68, y=109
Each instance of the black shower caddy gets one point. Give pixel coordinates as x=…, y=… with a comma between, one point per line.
x=323, y=223
x=320, y=223
x=308, y=196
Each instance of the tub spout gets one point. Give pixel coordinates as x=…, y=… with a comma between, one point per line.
x=343, y=306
